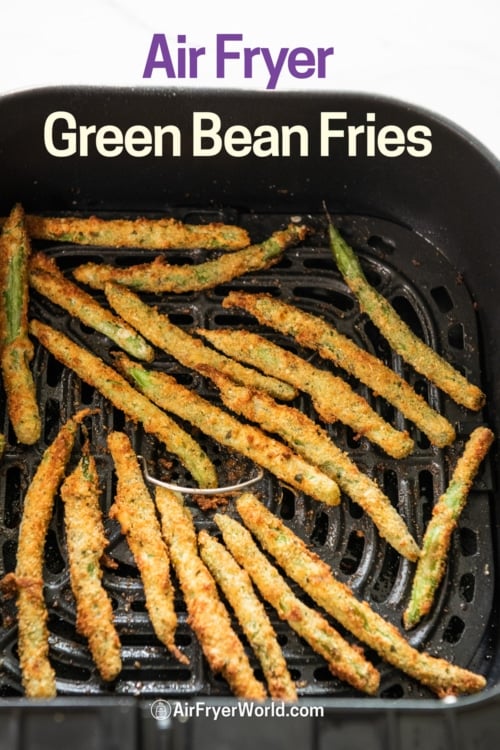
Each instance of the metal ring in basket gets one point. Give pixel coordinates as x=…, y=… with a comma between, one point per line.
x=200, y=490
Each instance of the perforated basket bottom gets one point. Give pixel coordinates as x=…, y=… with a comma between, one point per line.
x=433, y=299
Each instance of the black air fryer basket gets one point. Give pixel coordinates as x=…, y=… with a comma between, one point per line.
x=428, y=232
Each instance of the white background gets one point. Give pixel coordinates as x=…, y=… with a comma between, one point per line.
x=443, y=55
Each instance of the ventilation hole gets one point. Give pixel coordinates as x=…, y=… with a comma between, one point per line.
x=66, y=262
x=291, y=346
x=407, y=312
x=124, y=570
x=65, y=630
x=426, y=493
x=320, y=530
x=87, y=394
x=372, y=276
x=53, y=372
x=186, y=379
x=319, y=294
x=442, y=298
x=329, y=296
x=12, y=438
x=287, y=505
x=422, y=440
x=181, y=319
x=322, y=674
x=386, y=410
x=137, y=640
x=227, y=320
x=467, y=586
x=382, y=244
x=422, y=389
x=180, y=603
x=390, y=484
x=86, y=330
x=9, y=550
x=456, y=336
x=318, y=263
x=71, y=672
x=351, y=438
x=259, y=674
x=385, y=581
x=53, y=558
x=12, y=511
x=52, y=420
x=119, y=420
x=468, y=542
x=285, y=262
x=381, y=348
x=454, y=630
x=394, y=692
x=353, y=554
x=183, y=639
x=355, y=510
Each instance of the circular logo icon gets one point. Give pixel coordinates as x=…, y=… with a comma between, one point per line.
x=161, y=710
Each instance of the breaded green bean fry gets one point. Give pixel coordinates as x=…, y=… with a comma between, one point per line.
x=48, y=280
x=316, y=578
x=315, y=333
x=401, y=338
x=314, y=444
x=159, y=276
x=188, y=350
x=86, y=542
x=227, y=430
x=38, y=675
x=344, y=660
x=134, y=510
x=150, y=234
x=333, y=397
x=207, y=615
x=123, y=396
x=237, y=587
x=16, y=348
x=445, y=514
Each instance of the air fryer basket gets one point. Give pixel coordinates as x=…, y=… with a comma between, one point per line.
x=427, y=232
